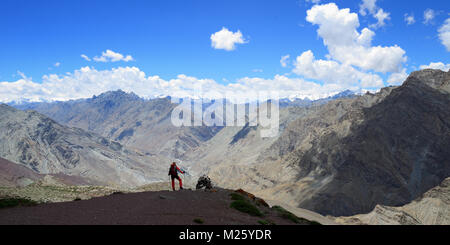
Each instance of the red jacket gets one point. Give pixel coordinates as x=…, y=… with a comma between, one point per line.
x=174, y=169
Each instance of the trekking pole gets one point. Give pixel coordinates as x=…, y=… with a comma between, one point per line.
x=183, y=177
x=184, y=174
x=184, y=180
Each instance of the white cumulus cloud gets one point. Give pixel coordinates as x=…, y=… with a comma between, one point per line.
x=436, y=65
x=381, y=17
x=397, y=78
x=85, y=57
x=367, y=6
x=313, y=1
x=284, y=60
x=444, y=34
x=409, y=19
x=428, y=16
x=111, y=56
x=87, y=81
x=227, y=40
x=339, y=30
x=370, y=7
x=329, y=71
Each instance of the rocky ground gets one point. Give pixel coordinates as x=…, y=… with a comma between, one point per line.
x=186, y=207
x=50, y=189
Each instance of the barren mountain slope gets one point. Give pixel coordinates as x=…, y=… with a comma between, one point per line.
x=12, y=174
x=264, y=168
x=352, y=154
x=237, y=146
x=124, y=117
x=432, y=208
x=399, y=151
x=39, y=143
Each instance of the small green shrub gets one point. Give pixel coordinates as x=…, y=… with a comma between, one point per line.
x=12, y=202
x=246, y=207
x=292, y=217
x=199, y=221
x=312, y=222
x=265, y=222
x=236, y=196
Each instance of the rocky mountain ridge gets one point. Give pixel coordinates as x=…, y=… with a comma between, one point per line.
x=124, y=117
x=432, y=208
x=343, y=158
x=39, y=143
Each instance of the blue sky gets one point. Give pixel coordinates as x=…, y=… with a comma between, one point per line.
x=168, y=38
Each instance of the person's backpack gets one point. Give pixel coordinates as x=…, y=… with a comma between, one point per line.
x=173, y=170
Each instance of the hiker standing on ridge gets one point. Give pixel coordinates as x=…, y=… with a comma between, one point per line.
x=173, y=172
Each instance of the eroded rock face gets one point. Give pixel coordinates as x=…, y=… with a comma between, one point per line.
x=432, y=208
x=436, y=79
x=347, y=156
x=132, y=121
x=37, y=142
x=398, y=151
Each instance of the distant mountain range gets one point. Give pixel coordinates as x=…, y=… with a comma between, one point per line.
x=307, y=102
x=139, y=123
x=126, y=118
